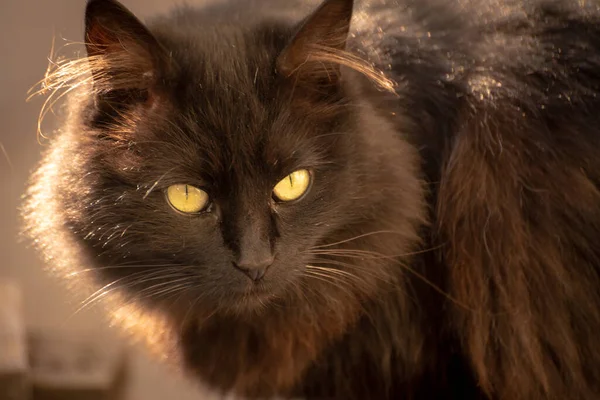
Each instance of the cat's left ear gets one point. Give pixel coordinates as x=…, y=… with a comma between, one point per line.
x=317, y=47
x=122, y=52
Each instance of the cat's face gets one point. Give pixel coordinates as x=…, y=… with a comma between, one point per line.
x=217, y=168
x=252, y=186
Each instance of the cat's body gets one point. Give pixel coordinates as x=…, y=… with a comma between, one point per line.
x=449, y=243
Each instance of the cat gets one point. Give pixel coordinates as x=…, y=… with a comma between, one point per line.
x=381, y=200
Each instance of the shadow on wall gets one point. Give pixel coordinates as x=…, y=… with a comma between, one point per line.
x=26, y=31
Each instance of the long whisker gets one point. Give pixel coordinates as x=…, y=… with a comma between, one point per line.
x=177, y=290
x=172, y=285
x=103, y=291
x=394, y=259
x=333, y=271
x=373, y=254
x=170, y=282
x=112, y=286
x=122, y=266
x=357, y=237
x=362, y=269
x=332, y=280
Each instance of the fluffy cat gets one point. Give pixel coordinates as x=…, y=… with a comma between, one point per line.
x=387, y=199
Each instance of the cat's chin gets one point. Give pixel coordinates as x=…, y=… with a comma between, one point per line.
x=247, y=296
x=244, y=300
x=253, y=299
x=253, y=305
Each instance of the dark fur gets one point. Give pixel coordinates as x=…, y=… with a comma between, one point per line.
x=464, y=208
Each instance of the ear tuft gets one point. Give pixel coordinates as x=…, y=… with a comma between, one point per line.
x=122, y=53
x=320, y=39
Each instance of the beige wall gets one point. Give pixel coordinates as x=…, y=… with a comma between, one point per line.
x=26, y=29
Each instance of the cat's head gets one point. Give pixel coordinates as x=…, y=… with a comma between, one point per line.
x=233, y=165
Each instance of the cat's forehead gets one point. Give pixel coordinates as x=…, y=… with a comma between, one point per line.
x=225, y=79
x=230, y=102
x=225, y=56
x=225, y=74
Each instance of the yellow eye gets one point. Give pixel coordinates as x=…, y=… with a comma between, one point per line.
x=187, y=199
x=293, y=186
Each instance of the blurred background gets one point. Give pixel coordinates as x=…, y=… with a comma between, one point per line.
x=26, y=31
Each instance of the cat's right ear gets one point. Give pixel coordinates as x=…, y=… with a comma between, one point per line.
x=122, y=52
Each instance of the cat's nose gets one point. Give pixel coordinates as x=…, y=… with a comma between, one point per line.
x=255, y=269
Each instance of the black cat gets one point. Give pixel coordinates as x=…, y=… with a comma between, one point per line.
x=389, y=200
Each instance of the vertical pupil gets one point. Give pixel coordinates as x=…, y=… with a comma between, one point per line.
x=291, y=181
x=186, y=192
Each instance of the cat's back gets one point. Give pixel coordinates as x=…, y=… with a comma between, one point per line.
x=506, y=44
x=541, y=55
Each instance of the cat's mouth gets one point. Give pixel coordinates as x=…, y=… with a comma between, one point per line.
x=260, y=290
x=256, y=296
